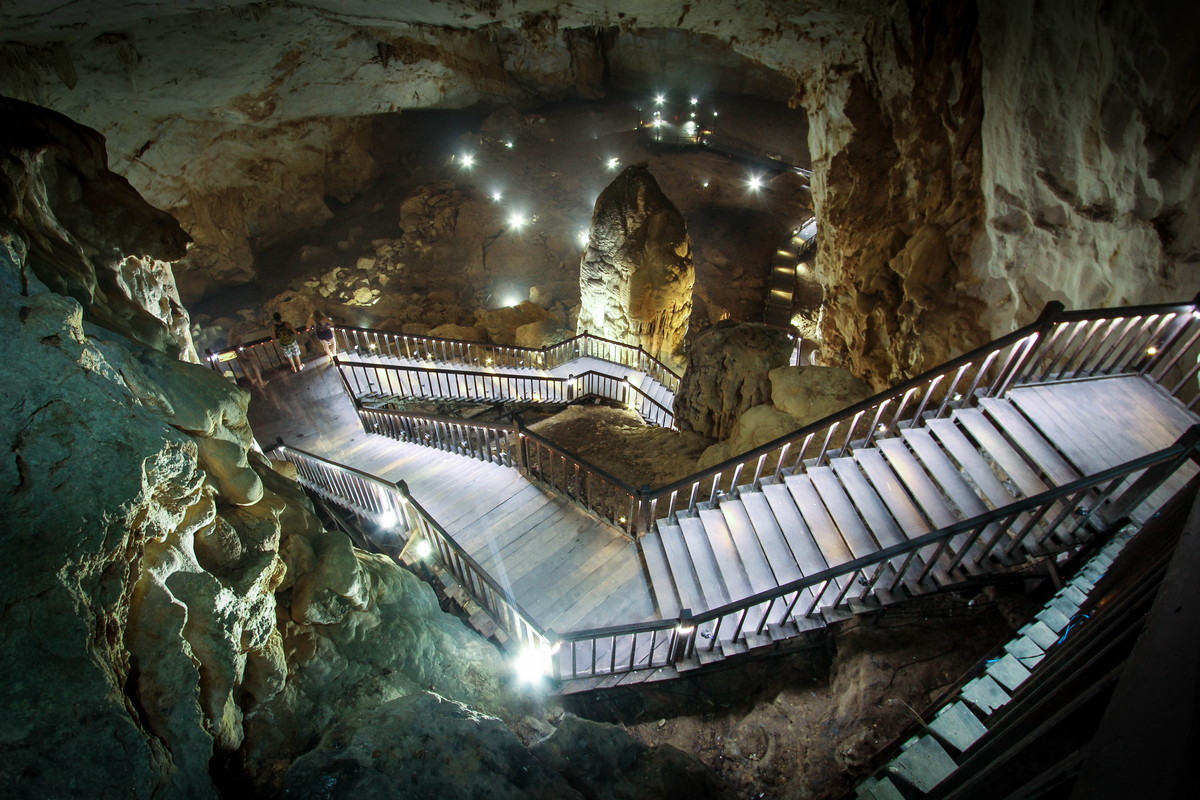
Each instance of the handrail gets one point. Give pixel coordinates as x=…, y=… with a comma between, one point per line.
x=497, y=386
x=314, y=472
x=778, y=605
x=1049, y=348
x=482, y=354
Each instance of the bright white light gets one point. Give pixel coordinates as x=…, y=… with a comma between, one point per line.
x=422, y=549
x=689, y=127
x=660, y=99
x=509, y=144
x=704, y=183
x=388, y=519
x=532, y=664
x=583, y=238
x=755, y=183
x=508, y=301
x=496, y=197
x=517, y=220
x=467, y=160
x=695, y=100
x=657, y=123
x=613, y=162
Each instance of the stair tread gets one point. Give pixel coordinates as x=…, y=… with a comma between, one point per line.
x=944, y=472
x=1006, y=456
x=661, y=583
x=754, y=561
x=912, y=523
x=708, y=572
x=805, y=551
x=926, y=492
x=870, y=506
x=682, y=573
x=854, y=531
x=969, y=458
x=725, y=553
x=770, y=536
x=824, y=532
x=1032, y=441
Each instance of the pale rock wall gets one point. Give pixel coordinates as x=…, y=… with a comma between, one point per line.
x=169, y=601
x=1089, y=175
x=636, y=276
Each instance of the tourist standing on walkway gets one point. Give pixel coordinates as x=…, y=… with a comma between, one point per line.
x=323, y=326
x=285, y=337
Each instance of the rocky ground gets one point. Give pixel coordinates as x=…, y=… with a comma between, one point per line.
x=803, y=726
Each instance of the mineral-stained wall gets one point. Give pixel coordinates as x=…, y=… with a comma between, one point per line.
x=168, y=600
x=636, y=277
x=727, y=374
x=972, y=159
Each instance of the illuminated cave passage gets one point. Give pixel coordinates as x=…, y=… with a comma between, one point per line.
x=179, y=623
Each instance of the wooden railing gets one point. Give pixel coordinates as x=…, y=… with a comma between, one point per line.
x=515, y=446
x=1079, y=509
x=366, y=341
x=372, y=383
x=374, y=498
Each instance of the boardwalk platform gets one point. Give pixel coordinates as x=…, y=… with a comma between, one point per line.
x=567, y=569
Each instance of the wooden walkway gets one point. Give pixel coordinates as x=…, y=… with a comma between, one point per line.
x=928, y=477
x=571, y=572
x=566, y=569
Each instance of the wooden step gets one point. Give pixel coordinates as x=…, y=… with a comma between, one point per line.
x=824, y=532
x=708, y=573
x=1011, y=461
x=754, y=560
x=661, y=585
x=971, y=462
x=1019, y=429
x=683, y=574
x=725, y=556
x=943, y=471
x=770, y=537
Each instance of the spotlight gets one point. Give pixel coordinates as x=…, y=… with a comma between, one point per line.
x=583, y=238
x=657, y=123
x=496, y=197
x=755, y=183
x=533, y=663
x=704, y=183
x=509, y=144
x=517, y=220
x=467, y=160
x=388, y=519
x=422, y=549
x=613, y=162
x=659, y=99
x=695, y=100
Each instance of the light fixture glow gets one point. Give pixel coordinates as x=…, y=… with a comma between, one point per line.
x=532, y=664
x=422, y=549
x=584, y=238
x=388, y=519
x=613, y=162
x=660, y=99
x=467, y=160
x=695, y=100
x=755, y=183
x=517, y=220
x=509, y=144
x=1151, y=350
x=657, y=123
x=496, y=196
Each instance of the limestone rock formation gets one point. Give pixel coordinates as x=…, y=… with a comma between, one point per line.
x=170, y=602
x=636, y=277
x=812, y=393
x=727, y=374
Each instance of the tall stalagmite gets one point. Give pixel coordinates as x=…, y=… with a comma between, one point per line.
x=636, y=276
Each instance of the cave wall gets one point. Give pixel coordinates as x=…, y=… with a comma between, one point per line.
x=972, y=159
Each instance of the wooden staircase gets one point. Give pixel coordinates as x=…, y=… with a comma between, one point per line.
x=904, y=485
